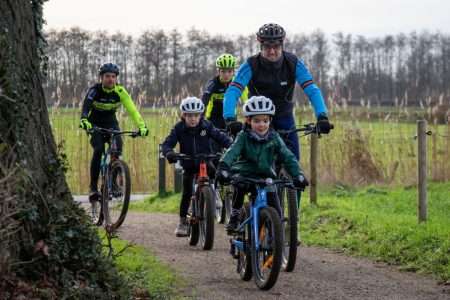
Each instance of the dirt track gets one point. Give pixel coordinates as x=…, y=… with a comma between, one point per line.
x=320, y=274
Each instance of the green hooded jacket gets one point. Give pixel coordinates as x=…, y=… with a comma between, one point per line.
x=253, y=157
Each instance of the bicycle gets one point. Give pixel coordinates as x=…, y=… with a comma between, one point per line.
x=257, y=243
x=223, y=195
x=202, y=209
x=290, y=203
x=112, y=207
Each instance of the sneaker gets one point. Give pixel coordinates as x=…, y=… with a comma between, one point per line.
x=182, y=228
x=94, y=196
x=233, y=225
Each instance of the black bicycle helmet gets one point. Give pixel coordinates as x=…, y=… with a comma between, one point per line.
x=108, y=68
x=271, y=33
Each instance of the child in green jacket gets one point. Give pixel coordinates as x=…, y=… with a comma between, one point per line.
x=253, y=154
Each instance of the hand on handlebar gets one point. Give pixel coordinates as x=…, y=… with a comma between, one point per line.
x=323, y=124
x=300, y=182
x=171, y=157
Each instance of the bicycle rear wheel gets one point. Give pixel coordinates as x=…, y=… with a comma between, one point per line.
x=207, y=210
x=116, y=200
x=244, y=264
x=220, y=205
x=97, y=211
x=228, y=203
x=266, y=261
x=289, y=224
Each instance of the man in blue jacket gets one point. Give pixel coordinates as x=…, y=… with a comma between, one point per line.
x=273, y=73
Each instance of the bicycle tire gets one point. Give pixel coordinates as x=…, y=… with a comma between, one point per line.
x=98, y=218
x=289, y=223
x=117, y=166
x=207, y=210
x=193, y=225
x=244, y=266
x=270, y=249
x=228, y=203
x=220, y=210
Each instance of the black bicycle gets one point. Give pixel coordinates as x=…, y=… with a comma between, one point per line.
x=224, y=194
x=202, y=208
x=112, y=207
x=290, y=202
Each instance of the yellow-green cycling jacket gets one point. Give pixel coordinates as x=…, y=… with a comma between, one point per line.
x=100, y=105
x=213, y=100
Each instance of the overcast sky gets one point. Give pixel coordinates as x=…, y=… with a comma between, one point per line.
x=367, y=17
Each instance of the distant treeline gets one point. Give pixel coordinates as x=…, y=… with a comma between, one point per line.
x=159, y=67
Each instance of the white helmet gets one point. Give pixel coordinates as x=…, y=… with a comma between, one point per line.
x=259, y=105
x=192, y=105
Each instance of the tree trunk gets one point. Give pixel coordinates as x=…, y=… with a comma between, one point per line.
x=44, y=235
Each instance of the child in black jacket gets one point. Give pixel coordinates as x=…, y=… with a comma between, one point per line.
x=194, y=134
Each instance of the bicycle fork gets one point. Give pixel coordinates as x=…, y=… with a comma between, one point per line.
x=237, y=244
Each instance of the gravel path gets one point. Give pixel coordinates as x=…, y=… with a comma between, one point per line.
x=320, y=274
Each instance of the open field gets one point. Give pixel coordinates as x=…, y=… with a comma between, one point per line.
x=363, y=149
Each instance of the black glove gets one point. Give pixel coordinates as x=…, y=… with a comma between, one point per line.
x=171, y=157
x=300, y=182
x=223, y=176
x=234, y=127
x=323, y=125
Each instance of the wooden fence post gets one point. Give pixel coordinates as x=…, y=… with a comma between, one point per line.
x=422, y=170
x=161, y=172
x=314, y=154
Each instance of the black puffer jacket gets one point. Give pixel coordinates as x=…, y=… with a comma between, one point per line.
x=194, y=140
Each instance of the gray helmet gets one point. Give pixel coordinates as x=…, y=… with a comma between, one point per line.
x=108, y=68
x=271, y=33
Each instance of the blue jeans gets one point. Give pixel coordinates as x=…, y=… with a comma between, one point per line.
x=285, y=123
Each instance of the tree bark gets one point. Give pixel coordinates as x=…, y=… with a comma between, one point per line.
x=51, y=239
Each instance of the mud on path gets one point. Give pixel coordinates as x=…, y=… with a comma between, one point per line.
x=319, y=274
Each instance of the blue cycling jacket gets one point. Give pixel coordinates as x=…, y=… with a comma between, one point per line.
x=273, y=81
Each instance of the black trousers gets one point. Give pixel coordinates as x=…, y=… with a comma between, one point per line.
x=98, y=142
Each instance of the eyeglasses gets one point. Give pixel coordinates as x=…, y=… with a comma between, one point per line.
x=268, y=47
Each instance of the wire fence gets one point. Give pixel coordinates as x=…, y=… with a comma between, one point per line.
x=357, y=152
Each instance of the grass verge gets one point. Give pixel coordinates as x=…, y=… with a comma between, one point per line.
x=168, y=203
x=381, y=223
x=145, y=274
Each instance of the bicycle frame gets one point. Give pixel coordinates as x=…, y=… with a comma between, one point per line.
x=256, y=205
x=109, y=154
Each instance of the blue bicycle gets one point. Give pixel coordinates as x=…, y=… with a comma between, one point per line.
x=258, y=242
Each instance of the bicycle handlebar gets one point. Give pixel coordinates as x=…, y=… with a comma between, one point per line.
x=201, y=156
x=114, y=132
x=307, y=129
x=262, y=181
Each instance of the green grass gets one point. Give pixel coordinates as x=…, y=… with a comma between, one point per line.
x=382, y=224
x=386, y=144
x=374, y=222
x=144, y=272
x=169, y=203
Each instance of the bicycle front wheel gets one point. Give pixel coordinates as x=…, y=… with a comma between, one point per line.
x=208, y=210
x=266, y=260
x=117, y=197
